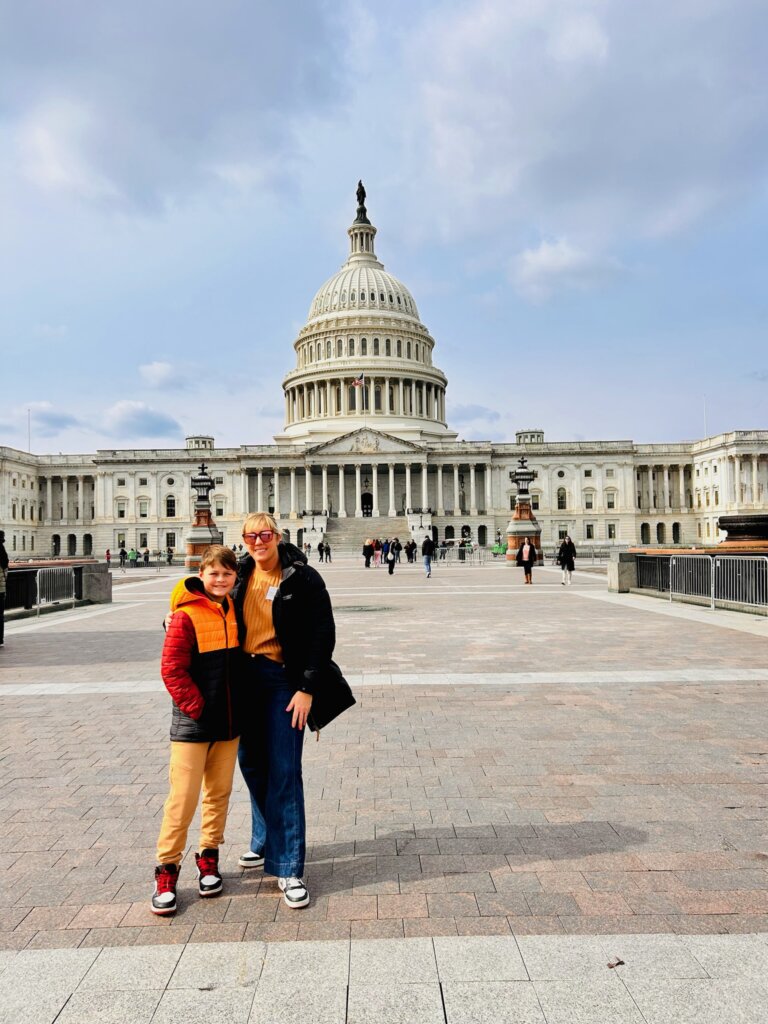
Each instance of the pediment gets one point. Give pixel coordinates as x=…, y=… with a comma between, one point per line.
x=366, y=442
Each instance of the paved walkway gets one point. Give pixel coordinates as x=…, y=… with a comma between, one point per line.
x=535, y=780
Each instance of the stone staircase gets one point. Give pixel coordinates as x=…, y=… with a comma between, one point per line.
x=346, y=536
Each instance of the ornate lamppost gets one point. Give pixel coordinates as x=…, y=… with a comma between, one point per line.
x=523, y=522
x=203, y=531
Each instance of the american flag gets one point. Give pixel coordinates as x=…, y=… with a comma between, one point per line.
x=359, y=381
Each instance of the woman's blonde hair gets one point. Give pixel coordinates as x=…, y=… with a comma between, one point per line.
x=256, y=521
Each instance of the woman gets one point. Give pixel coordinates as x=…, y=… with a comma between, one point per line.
x=288, y=635
x=565, y=557
x=526, y=556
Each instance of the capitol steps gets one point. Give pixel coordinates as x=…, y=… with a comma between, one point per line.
x=346, y=536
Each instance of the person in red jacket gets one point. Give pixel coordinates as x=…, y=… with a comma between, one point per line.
x=201, y=669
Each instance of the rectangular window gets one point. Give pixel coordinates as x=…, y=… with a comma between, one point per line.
x=610, y=500
x=611, y=531
x=535, y=502
x=562, y=532
x=142, y=481
x=143, y=509
x=699, y=529
x=121, y=510
x=587, y=472
x=610, y=473
x=590, y=531
x=219, y=509
x=170, y=540
x=219, y=481
x=589, y=501
x=121, y=481
x=143, y=540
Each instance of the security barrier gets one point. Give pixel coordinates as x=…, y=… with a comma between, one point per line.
x=715, y=580
x=55, y=585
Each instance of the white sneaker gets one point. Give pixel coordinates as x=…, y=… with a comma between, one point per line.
x=294, y=891
x=251, y=860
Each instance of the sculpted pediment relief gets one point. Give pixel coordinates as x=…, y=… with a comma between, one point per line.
x=366, y=442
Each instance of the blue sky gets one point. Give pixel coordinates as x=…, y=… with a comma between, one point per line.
x=573, y=190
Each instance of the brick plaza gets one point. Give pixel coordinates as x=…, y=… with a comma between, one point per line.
x=534, y=780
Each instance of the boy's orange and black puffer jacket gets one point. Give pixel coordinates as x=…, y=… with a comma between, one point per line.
x=201, y=666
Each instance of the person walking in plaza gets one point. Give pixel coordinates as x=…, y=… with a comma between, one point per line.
x=288, y=635
x=169, y=556
x=201, y=667
x=321, y=550
x=108, y=558
x=391, y=559
x=427, y=551
x=377, y=553
x=565, y=559
x=368, y=552
x=526, y=557
x=397, y=547
x=327, y=551
x=3, y=585
x=146, y=557
x=122, y=555
x=133, y=557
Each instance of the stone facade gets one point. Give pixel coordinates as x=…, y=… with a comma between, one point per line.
x=367, y=435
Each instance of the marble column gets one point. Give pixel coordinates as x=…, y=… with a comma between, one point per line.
x=651, y=489
x=667, y=496
x=276, y=488
x=244, y=492
x=754, y=479
x=65, y=498
x=408, y=502
x=308, y=496
x=325, y=488
x=385, y=404
x=316, y=410
x=293, y=510
x=424, y=486
x=342, y=506
x=400, y=390
x=344, y=398
x=456, y=498
x=440, y=502
x=392, y=511
x=472, y=492
x=375, y=489
x=681, y=484
x=287, y=407
x=79, y=498
x=49, y=501
x=488, y=488
x=413, y=398
x=260, y=491
x=358, y=492
x=737, y=480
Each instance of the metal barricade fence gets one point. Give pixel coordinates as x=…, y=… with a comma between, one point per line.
x=55, y=585
x=724, y=579
x=690, y=576
x=740, y=579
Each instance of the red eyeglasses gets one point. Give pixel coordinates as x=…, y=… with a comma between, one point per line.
x=265, y=536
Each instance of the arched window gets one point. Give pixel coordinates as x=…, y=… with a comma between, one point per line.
x=387, y=347
x=408, y=350
x=377, y=400
x=375, y=346
x=339, y=347
x=661, y=533
x=351, y=347
x=645, y=533
x=416, y=355
x=561, y=499
x=449, y=534
x=170, y=507
x=328, y=350
x=399, y=347
x=675, y=533
x=363, y=346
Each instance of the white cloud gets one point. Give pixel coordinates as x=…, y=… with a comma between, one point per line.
x=551, y=266
x=579, y=37
x=131, y=419
x=52, y=141
x=158, y=375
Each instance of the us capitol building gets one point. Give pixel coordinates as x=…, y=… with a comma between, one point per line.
x=367, y=450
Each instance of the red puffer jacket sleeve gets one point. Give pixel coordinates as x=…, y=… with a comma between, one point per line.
x=175, y=662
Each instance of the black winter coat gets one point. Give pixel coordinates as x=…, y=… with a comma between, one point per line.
x=302, y=616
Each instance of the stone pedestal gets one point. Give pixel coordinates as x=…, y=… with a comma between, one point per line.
x=204, y=531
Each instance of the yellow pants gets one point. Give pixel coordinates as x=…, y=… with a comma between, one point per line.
x=196, y=766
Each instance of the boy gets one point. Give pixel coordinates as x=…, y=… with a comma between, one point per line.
x=201, y=670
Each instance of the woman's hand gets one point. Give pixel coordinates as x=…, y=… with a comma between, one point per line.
x=300, y=704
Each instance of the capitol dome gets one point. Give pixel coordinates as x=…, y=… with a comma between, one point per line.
x=364, y=358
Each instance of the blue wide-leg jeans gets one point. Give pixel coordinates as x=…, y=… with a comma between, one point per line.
x=270, y=762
